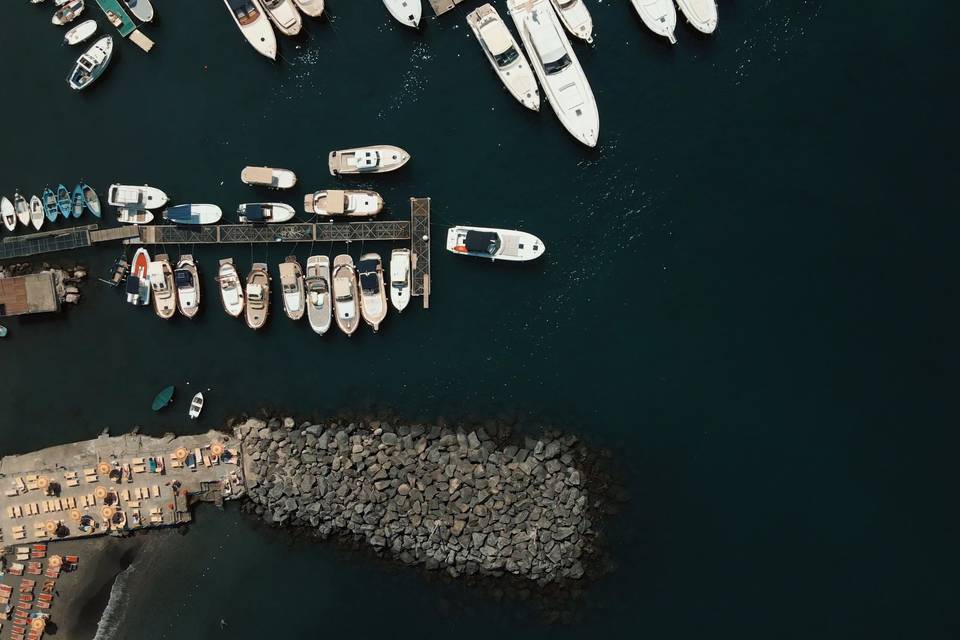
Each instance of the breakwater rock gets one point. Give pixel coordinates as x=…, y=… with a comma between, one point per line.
x=426, y=495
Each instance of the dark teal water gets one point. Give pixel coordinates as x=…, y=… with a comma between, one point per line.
x=749, y=296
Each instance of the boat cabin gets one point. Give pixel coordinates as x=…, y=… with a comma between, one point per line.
x=481, y=242
x=495, y=37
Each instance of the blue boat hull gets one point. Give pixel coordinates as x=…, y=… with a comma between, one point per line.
x=79, y=202
x=63, y=201
x=50, y=209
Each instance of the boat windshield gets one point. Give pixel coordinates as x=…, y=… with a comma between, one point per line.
x=507, y=57
x=245, y=11
x=557, y=65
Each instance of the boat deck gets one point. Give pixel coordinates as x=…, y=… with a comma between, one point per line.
x=128, y=26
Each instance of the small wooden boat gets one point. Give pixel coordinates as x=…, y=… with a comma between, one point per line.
x=36, y=212
x=258, y=296
x=231, y=291
x=78, y=202
x=312, y=8
x=68, y=12
x=373, y=299
x=91, y=64
x=400, y=278
x=142, y=10
x=80, y=32
x=291, y=288
x=345, y=294
x=64, y=204
x=163, y=398
x=134, y=216
x=50, y=207
x=187, y=281
x=352, y=203
x=138, y=282
x=91, y=199
x=118, y=273
x=8, y=214
x=22, y=209
x=265, y=212
x=162, y=288
x=317, y=284
x=375, y=159
x=196, y=406
x=193, y=214
x=268, y=177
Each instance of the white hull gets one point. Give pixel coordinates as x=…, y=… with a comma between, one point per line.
x=701, y=14
x=406, y=12
x=565, y=86
x=494, y=244
x=319, y=302
x=291, y=288
x=231, y=289
x=142, y=10
x=188, y=294
x=346, y=294
x=277, y=212
x=284, y=15
x=251, y=18
x=660, y=16
x=373, y=297
x=134, y=216
x=400, y=278
x=193, y=214
x=81, y=32
x=499, y=46
x=268, y=177
x=196, y=406
x=22, y=209
x=8, y=214
x=312, y=8
x=36, y=212
x=351, y=203
x=145, y=197
x=576, y=18
x=373, y=159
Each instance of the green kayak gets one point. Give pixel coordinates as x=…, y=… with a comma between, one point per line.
x=163, y=398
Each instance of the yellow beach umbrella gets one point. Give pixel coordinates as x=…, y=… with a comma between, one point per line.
x=75, y=515
x=100, y=492
x=56, y=561
x=180, y=454
x=103, y=468
x=51, y=526
x=43, y=482
x=106, y=512
x=37, y=624
x=216, y=448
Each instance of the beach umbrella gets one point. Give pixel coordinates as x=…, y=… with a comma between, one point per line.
x=180, y=454
x=103, y=468
x=216, y=448
x=51, y=526
x=55, y=561
x=100, y=492
x=75, y=515
x=43, y=482
x=107, y=512
x=37, y=624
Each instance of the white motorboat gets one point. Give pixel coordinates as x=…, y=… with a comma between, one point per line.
x=400, y=278
x=660, y=16
x=575, y=17
x=268, y=177
x=317, y=284
x=134, y=216
x=505, y=56
x=193, y=214
x=375, y=159
x=265, y=212
x=291, y=288
x=80, y=32
x=91, y=64
x=8, y=214
x=142, y=10
x=187, y=281
x=138, y=282
x=196, y=406
x=345, y=294
x=258, y=296
x=312, y=8
x=68, y=12
x=352, y=203
x=702, y=14
x=254, y=24
x=496, y=244
x=405, y=11
x=162, y=288
x=22, y=209
x=373, y=298
x=36, y=212
x=284, y=15
x=231, y=290
x=557, y=68
x=134, y=197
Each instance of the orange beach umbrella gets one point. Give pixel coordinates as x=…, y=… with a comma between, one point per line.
x=100, y=492
x=37, y=624
x=43, y=482
x=56, y=561
x=75, y=515
x=51, y=526
x=106, y=512
x=216, y=448
x=103, y=468
x=180, y=454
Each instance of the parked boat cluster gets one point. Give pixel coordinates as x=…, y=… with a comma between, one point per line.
x=254, y=18
x=35, y=211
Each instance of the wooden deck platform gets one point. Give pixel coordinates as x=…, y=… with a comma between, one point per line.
x=440, y=7
x=420, y=248
x=299, y=232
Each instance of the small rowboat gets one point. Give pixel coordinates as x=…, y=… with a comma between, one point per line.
x=50, y=205
x=196, y=406
x=91, y=199
x=163, y=398
x=63, y=201
x=78, y=202
x=8, y=214
x=80, y=32
x=36, y=212
x=22, y=208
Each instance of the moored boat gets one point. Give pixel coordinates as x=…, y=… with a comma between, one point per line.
x=163, y=398
x=660, y=16
x=77, y=202
x=68, y=12
x=701, y=14
x=400, y=278
x=352, y=203
x=187, y=281
x=345, y=294
x=22, y=209
x=8, y=214
x=312, y=8
x=373, y=159
x=91, y=64
x=91, y=199
x=407, y=12
x=136, y=197
x=373, y=298
x=575, y=17
x=318, y=301
x=268, y=177
x=50, y=207
x=258, y=296
x=36, y=213
x=231, y=289
x=291, y=288
x=3, y=331
x=162, y=288
x=138, y=282
x=265, y=212
x=134, y=216
x=284, y=15
x=142, y=10
x=193, y=214
x=496, y=244
x=81, y=32
x=504, y=55
x=253, y=23
x=196, y=406
x=64, y=203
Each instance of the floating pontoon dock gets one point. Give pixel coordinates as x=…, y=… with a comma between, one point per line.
x=61, y=240
x=127, y=27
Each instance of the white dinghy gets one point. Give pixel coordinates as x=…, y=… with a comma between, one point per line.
x=196, y=406
x=702, y=14
x=80, y=32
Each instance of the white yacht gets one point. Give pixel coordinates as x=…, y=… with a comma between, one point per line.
x=187, y=281
x=504, y=55
x=375, y=159
x=291, y=288
x=312, y=8
x=317, y=284
x=400, y=278
x=134, y=197
x=702, y=14
x=284, y=14
x=161, y=284
x=660, y=16
x=142, y=10
x=255, y=25
x=496, y=244
x=576, y=18
x=352, y=203
x=405, y=11
x=345, y=294
x=265, y=212
x=373, y=298
x=231, y=289
x=557, y=68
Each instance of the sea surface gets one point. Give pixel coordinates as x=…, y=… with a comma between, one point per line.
x=749, y=297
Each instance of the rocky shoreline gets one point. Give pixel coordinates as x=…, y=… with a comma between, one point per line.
x=467, y=503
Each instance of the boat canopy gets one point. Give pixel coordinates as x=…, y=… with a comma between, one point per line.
x=369, y=282
x=183, y=278
x=259, y=175
x=481, y=241
x=133, y=285
x=496, y=37
x=368, y=266
x=342, y=289
x=336, y=201
x=255, y=212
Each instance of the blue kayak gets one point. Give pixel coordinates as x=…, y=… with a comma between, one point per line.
x=78, y=201
x=63, y=201
x=50, y=205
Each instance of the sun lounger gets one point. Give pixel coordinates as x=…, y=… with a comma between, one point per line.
x=73, y=482
x=72, y=502
x=18, y=510
x=11, y=513
x=156, y=491
x=12, y=493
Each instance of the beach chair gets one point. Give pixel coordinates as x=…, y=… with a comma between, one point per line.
x=72, y=502
x=18, y=510
x=21, y=485
x=11, y=513
x=156, y=491
x=12, y=493
x=125, y=495
x=73, y=482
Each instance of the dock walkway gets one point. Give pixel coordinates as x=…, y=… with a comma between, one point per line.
x=298, y=232
x=420, y=248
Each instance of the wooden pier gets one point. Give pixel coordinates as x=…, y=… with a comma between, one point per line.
x=45, y=242
x=420, y=248
x=298, y=232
